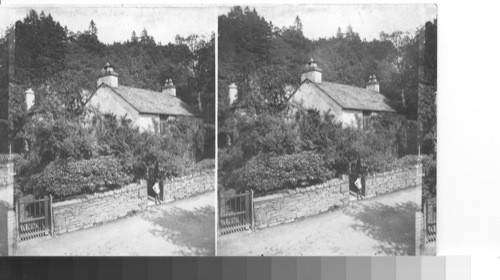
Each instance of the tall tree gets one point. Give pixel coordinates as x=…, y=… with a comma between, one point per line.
x=134, y=39
x=298, y=24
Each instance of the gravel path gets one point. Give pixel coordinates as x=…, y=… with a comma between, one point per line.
x=380, y=226
x=185, y=227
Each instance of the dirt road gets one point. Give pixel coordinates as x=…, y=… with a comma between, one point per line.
x=185, y=227
x=380, y=226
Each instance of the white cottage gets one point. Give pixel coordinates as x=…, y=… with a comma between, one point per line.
x=350, y=105
x=146, y=108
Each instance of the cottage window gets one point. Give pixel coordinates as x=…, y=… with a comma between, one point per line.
x=366, y=119
x=165, y=121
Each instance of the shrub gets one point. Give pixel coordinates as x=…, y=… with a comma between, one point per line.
x=267, y=134
x=60, y=139
x=387, y=164
x=206, y=164
x=266, y=173
x=68, y=177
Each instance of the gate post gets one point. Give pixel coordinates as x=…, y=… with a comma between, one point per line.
x=425, y=222
x=51, y=216
x=46, y=202
x=18, y=222
x=247, y=206
x=252, y=210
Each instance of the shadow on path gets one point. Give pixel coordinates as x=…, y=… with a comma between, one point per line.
x=191, y=229
x=392, y=226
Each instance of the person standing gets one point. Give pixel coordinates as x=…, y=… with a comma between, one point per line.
x=359, y=186
x=156, y=189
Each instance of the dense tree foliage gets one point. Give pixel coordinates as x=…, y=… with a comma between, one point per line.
x=251, y=47
x=68, y=148
x=266, y=61
x=49, y=57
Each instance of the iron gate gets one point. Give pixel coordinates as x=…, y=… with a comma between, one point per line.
x=34, y=218
x=430, y=221
x=235, y=213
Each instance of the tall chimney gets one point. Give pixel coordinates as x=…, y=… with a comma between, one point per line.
x=312, y=72
x=30, y=98
x=169, y=88
x=109, y=76
x=373, y=84
x=233, y=93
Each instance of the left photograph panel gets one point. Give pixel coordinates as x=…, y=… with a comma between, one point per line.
x=107, y=128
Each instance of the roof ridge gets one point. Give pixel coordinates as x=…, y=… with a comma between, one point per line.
x=364, y=99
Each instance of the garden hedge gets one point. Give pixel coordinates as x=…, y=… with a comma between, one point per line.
x=69, y=177
x=267, y=173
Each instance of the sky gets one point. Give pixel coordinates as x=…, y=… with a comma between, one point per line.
x=116, y=23
x=322, y=21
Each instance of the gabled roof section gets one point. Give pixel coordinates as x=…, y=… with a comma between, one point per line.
x=153, y=102
x=351, y=97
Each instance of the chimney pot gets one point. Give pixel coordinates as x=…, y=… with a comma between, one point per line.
x=312, y=72
x=373, y=84
x=109, y=76
x=169, y=88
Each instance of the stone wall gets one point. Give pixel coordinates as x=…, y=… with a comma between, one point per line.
x=7, y=216
x=302, y=202
x=187, y=186
x=7, y=183
x=98, y=208
x=419, y=233
x=387, y=182
x=286, y=207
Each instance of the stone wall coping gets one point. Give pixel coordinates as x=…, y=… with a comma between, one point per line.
x=190, y=176
x=268, y=197
x=290, y=192
x=87, y=197
x=394, y=171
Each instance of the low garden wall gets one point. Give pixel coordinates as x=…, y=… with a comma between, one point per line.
x=182, y=187
x=286, y=207
x=75, y=214
x=7, y=214
x=398, y=179
x=7, y=183
x=302, y=202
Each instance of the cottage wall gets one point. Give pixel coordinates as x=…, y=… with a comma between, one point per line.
x=107, y=101
x=148, y=122
x=308, y=96
x=98, y=208
x=351, y=118
x=183, y=187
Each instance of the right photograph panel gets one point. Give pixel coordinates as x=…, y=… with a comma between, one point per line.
x=327, y=130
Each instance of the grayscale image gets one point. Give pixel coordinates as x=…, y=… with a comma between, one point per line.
x=327, y=130
x=108, y=130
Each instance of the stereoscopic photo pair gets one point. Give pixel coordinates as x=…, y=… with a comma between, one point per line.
x=312, y=133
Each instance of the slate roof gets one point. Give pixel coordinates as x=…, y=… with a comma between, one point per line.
x=153, y=102
x=351, y=97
